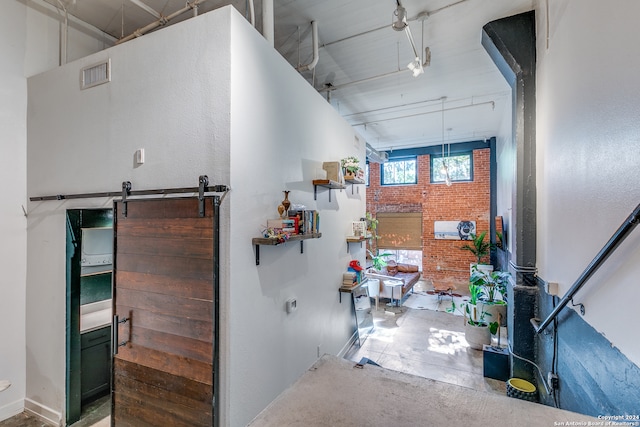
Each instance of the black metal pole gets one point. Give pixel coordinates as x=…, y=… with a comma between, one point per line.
x=618, y=237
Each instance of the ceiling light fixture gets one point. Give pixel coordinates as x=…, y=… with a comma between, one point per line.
x=399, y=23
x=445, y=166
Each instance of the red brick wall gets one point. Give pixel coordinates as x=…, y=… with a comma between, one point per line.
x=442, y=260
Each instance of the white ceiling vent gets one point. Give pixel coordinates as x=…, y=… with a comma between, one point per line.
x=96, y=74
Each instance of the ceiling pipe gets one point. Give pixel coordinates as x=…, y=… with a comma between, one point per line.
x=64, y=35
x=160, y=22
x=252, y=13
x=314, y=39
x=460, y=107
x=268, y=21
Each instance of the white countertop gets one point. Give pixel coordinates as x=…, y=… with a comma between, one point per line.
x=95, y=315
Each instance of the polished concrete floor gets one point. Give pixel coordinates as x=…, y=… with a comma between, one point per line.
x=426, y=343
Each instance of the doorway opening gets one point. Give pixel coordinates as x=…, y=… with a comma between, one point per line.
x=89, y=261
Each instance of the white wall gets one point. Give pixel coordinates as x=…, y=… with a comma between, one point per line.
x=281, y=131
x=29, y=43
x=264, y=131
x=588, y=139
x=13, y=170
x=169, y=94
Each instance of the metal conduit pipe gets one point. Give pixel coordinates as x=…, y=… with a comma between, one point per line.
x=268, y=21
x=252, y=13
x=314, y=37
x=64, y=35
x=162, y=21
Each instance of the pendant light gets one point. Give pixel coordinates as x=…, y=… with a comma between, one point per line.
x=445, y=161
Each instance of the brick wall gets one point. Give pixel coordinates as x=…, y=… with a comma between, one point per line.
x=442, y=260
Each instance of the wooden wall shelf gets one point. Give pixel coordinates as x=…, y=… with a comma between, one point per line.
x=326, y=183
x=265, y=241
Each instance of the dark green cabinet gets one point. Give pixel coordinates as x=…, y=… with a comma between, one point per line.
x=95, y=353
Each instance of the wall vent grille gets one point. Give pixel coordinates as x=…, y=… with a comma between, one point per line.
x=96, y=74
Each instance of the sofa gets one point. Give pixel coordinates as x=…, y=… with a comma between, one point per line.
x=406, y=273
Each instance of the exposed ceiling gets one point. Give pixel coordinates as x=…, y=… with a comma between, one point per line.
x=362, y=66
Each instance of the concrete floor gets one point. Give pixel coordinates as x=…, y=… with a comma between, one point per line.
x=426, y=343
x=428, y=376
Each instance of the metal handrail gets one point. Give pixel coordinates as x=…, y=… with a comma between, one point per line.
x=618, y=237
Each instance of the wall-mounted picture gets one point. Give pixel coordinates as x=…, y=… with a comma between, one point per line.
x=454, y=230
x=358, y=228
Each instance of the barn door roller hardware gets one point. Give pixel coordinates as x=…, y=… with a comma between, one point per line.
x=204, y=183
x=126, y=193
x=126, y=190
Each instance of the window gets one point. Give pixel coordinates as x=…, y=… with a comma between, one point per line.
x=399, y=230
x=404, y=256
x=401, y=171
x=460, y=168
x=366, y=174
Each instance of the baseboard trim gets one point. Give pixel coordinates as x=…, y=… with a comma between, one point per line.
x=43, y=413
x=11, y=409
x=348, y=345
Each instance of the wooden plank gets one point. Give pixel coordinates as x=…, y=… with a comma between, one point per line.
x=136, y=409
x=169, y=246
x=166, y=266
x=170, y=363
x=194, y=228
x=165, y=304
x=172, y=344
x=159, y=208
x=185, y=327
x=179, y=387
x=180, y=287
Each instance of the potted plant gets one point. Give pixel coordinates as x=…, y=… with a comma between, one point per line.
x=378, y=260
x=350, y=167
x=493, y=287
x=480, y=249
x=477, y=332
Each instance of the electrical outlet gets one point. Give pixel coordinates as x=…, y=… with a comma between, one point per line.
x=552, y=288
x=552, y=379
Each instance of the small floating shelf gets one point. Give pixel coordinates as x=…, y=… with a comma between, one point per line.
x=265, y=241
x=326, y=183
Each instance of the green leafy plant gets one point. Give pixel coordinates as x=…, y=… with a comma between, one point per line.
x=478, y=247
x=351, y=164
x=378, y=260
x=492, y=284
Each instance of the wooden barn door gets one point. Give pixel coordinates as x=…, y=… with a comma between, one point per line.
x=164, y=313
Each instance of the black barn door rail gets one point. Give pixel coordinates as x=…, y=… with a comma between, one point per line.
x=127, y=192
x=618, y=237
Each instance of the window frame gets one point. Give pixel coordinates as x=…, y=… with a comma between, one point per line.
x=433, y=157
x=397, y=160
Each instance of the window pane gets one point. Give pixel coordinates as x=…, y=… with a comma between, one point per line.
x=400, y=172
x=459, y=168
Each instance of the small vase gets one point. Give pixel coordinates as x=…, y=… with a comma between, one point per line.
x=286, y=203
x=280, y=210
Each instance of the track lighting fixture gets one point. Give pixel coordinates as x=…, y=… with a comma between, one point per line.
x=399, y=23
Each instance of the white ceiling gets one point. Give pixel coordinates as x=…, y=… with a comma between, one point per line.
x=364, y=60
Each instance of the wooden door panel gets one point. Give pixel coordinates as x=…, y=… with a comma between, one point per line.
x=189, y=328
x=167, y=246
x=163, y=285
x=169, y=305
x=180, y=286
x=165, y=265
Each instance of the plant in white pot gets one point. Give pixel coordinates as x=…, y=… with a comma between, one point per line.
x=493, y=294
x=480, y=249
x=476, y=332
